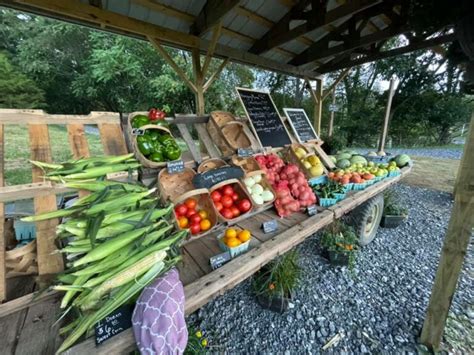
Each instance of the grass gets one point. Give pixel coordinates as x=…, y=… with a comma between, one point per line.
x=433, y=173
x=17, y=150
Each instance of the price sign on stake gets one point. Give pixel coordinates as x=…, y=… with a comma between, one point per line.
x=311, y=210
x=175, y=166
x=220, y=259
x=300, y=124
x=113, y=324
x=270, y=226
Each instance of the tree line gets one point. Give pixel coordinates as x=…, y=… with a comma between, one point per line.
x=70, y=69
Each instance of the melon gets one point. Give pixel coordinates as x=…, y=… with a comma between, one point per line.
x=343, y=163
x=372, y=154
x=344, y=156
x=402, y=160
x=358, y=159
x=381, y=154
x=333, y=158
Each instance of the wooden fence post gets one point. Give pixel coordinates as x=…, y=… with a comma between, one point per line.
x=454, y=249
x=391, y=92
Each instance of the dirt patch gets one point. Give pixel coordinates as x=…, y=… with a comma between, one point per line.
x=438, y=174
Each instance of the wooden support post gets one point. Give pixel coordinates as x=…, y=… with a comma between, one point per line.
x=455, y=245
x=199, y=82
x=391, y=92
x=318, y=106
x=331, y=119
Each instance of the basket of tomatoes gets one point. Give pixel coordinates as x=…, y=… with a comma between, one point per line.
x=235, y=240
x=231, y=200
x=194, y=209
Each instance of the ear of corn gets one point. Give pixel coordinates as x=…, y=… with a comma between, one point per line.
x=99, y=171
x=100, y=185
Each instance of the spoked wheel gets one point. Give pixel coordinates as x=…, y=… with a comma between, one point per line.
x=366, y=219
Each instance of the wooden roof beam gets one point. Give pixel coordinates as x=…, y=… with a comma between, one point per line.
x=212, y=13
x=317, y=17
x=429, y=43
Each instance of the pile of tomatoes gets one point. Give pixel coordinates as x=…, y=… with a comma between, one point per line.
x=189, y=216
x=228, y=202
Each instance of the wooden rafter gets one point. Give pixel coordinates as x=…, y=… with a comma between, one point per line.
x=216, y=74
x=350, y=36
x=210, y=52
x=212, y=12
x=335, y=83
x=432, y=42
x=315, y=18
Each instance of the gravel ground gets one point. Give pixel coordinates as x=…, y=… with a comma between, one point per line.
x=444, y=153
x=378, y=308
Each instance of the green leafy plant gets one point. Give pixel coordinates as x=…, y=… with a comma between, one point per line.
x=197, y=343
x=391, y=205
x=328, y=189
x=340, y=238
x=279, y=277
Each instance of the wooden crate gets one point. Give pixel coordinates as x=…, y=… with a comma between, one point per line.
x=44, y=192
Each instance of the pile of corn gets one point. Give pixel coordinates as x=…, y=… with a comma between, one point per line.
x=116, y=240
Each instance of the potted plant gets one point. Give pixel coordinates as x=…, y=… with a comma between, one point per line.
x=393, y=213
x=274, y=283
x=339, y=243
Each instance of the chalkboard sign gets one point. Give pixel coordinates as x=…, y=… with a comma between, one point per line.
x=311, y=210
x=220, y=259
x=138, y=132
x=300, y=124
x=115, y=323
x=175, y=166
x=264, y=118
x=270, y=226
x=244, y=152
x=210, y=178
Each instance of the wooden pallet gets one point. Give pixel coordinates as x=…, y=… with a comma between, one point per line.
x=44, y=193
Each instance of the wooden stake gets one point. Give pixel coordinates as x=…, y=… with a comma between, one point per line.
x=335, y=83
x=318, y=107
x=199, y=82
x=331, y=119
x=391, y=92
x=172, y=63
x=454, y=249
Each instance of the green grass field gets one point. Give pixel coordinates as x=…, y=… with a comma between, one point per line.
x=17, y=151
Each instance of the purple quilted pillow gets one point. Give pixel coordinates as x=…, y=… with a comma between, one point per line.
x=158, y=319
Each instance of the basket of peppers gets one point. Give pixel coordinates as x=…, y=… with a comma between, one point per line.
x=152, y=141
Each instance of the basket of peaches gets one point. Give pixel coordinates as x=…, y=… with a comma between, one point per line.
x=235, y=240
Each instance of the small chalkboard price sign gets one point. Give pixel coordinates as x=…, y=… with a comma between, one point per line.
x=311, y=210
x=210, y=178
x=300, y=124
x=244, y=152
x=115, y=323
x=175, y=166
x=218, y=260
x=264, y=118
x=270, y=226
x=138, y=132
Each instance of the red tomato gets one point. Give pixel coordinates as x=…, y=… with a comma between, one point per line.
x=216, y=196
x=195, y=228
x=190, y=212
x=235, y=197
x=244, y=205
x=227, y=190
x=227, y=213
x=190, y=203
x=195, y=219
x=227, y=201
x=235, y=211
x=219, y=206
x=180, y=210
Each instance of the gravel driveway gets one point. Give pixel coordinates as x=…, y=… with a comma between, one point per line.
x=443, y=153
x=378, y=309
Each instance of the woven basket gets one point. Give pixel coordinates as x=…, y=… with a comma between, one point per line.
x=179, y=187
x=133, y=139
x=21, y=261
x=251, y=168
x=210, y=164
x=240, y=190
x=291, y=156
x=228, y=133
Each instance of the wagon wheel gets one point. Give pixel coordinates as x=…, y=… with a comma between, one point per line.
x=366, y=219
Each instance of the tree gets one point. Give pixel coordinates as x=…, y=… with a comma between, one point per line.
x=17, y=90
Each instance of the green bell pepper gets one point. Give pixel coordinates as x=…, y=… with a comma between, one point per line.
x=139, y=121
x=144, y=144
x=156, y=157
x=172, y=151
x=164, y=138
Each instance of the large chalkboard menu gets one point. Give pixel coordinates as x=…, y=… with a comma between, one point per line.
x=300, y=124
x=264, y=118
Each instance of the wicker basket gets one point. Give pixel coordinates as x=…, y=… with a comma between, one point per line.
x=133, y=139
x=291, y=156
x=179, y=187
x=251, y=168
x=241, y=192
x=21, y=261
x=228, y=133
x=210, y=164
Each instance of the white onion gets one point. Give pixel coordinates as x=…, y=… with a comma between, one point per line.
x=249, y=182
x=257, y=189
x=257, y=199
x=267, y=195
x=257, y=178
